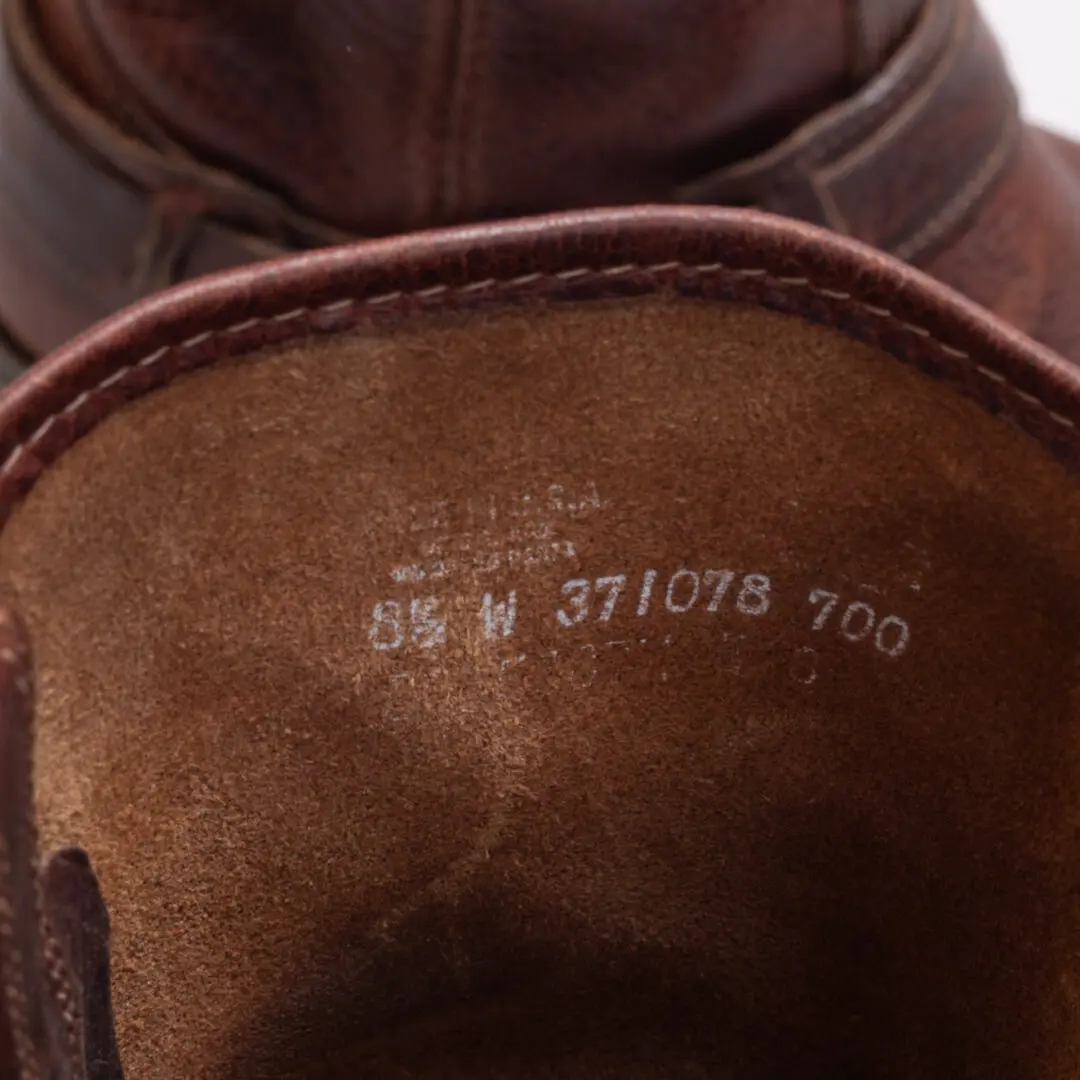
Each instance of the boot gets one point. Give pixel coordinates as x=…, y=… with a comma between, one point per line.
x=150, y=141
x=613, y=644
x=628, y=645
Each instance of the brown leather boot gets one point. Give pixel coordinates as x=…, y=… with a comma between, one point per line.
x=147, y=141
x=632, y=646
x=607, y=645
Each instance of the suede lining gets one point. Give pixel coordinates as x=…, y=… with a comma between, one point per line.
x=679, y=843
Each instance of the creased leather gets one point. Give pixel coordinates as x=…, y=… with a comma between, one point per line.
x=858, y=169
x=415, y=109
x=468, y=102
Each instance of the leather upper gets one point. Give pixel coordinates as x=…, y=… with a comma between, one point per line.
x=151, y=142
x=386, y=115
x=890, y=122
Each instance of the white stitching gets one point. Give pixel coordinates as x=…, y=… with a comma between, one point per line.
x=920, y=330
x=240, y=327
x=335, y=306
x=526, y=279
x=479, y=286
x=115, y=377
x=386, y=298
x=77, y=404
x=154, y=357
x=20, y=450
x=45, y=428
x=991, y=374
x=289, y=316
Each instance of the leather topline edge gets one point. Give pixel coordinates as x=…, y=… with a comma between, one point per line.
x=708, y=254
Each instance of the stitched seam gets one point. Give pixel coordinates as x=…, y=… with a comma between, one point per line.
x=489, y=284
x=62, y=987
x=842, y=129
x=100, y=145
x=455, y=196
x=850, y=134
x=956, y=208
x=423, y=150
x=908, y=112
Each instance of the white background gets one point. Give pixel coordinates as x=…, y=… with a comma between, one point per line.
x=1041, y=39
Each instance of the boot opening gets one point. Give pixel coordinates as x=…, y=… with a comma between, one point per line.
x=642, y=688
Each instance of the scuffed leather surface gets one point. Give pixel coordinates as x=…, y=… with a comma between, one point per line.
x=1000, y=219
x=902, y=162
x=391, y=114
x=63, y=268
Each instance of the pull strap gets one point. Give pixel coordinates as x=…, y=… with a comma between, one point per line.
x=55, y=1012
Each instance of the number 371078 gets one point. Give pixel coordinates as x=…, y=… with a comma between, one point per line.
x=685, y=589
x=598, y=600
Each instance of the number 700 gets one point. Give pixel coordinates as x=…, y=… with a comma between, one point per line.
x=858, y=620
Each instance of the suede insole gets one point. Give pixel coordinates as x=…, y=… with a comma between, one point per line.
x=644, y=689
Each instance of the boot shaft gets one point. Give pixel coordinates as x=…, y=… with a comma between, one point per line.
x=148, y=144
x=386, y=115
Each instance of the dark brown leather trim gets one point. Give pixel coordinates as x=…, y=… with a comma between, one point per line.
x=905, y=160
x=79, y=922
x=710, y=254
